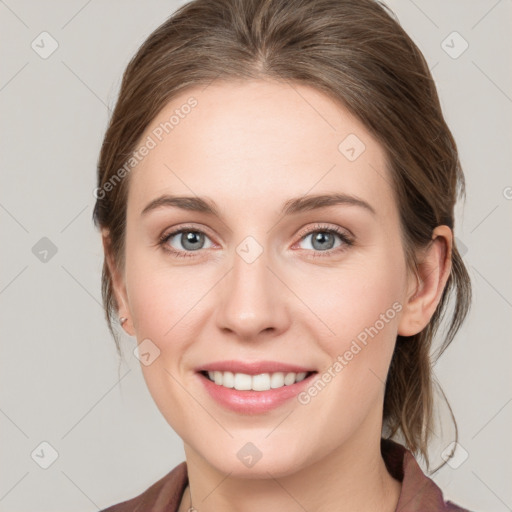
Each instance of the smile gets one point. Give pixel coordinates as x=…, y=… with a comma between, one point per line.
x=261, y=382
x=253, y=388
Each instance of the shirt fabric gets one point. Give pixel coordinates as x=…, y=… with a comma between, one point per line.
x=418, y=494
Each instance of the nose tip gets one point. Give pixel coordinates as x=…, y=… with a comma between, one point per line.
x=250, y=303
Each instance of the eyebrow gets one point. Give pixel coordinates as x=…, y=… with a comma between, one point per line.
x=294, y=205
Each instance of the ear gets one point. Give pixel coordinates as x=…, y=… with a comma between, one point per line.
x=118, y=284
x=426, y=288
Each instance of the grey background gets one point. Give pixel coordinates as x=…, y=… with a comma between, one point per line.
x=60, y=381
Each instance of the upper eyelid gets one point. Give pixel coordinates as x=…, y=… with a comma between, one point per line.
x=325, y=227
x=180, y=229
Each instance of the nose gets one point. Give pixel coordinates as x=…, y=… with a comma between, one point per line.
x=253, y=302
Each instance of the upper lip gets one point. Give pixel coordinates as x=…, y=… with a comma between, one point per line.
x=253, y=367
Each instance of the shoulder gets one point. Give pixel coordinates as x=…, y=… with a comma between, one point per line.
x=419, y=492
x=163, y=496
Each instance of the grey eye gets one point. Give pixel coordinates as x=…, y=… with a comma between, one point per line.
x=321, y=240
x=189, y=240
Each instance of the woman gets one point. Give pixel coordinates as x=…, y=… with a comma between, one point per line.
x=276, y=195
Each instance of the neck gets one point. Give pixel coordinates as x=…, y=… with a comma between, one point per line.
x=352, y=478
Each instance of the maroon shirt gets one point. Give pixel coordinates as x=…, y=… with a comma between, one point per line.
x=419, y=493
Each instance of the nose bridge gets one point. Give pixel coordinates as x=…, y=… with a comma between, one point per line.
x=250, y=301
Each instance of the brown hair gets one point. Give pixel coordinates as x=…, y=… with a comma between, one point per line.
x=355, y=52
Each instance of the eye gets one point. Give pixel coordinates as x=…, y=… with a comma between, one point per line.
x=325, y=239
x=183, y=241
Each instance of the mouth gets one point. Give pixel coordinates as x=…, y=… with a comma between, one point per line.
x=255, y=392
x=260, y=382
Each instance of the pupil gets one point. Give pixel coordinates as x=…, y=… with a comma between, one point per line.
x=190, y=238
x=322, y=238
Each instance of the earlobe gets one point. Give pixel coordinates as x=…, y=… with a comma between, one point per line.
x=118, y=286
x=434, y=268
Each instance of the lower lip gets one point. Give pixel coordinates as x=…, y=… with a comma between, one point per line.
x=253, y=402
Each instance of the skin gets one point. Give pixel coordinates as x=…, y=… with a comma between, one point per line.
x=250, y=147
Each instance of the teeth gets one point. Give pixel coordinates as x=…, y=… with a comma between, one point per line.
x=261, y=382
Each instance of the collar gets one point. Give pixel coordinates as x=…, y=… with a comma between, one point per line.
x=418, y=493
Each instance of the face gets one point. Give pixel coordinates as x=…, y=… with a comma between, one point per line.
x=288, y=251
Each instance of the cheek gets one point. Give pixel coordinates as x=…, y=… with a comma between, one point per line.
x=162, y=298
x=345, y=301
x=356, y=312
x=165, y=302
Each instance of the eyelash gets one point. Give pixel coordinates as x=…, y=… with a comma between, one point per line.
x=346, y=240
x=319, y=228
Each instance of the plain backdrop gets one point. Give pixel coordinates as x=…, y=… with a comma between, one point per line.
x=64, y=403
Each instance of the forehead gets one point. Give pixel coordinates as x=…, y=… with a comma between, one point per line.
x=260, y=139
